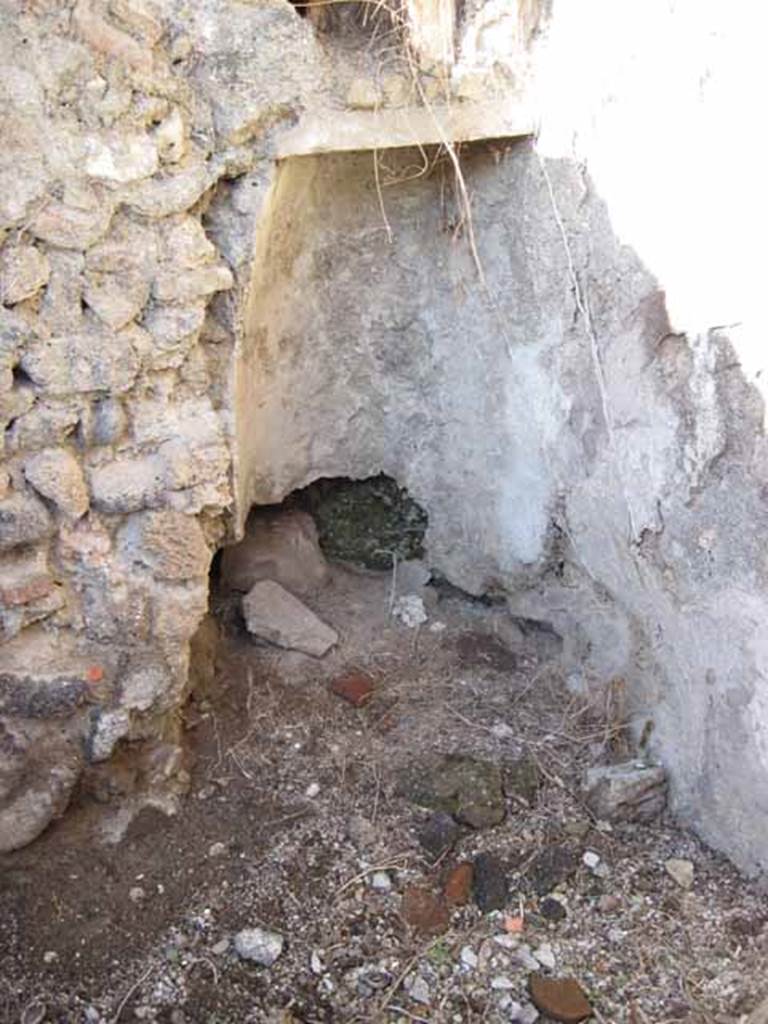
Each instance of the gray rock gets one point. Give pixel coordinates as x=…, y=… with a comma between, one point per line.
x=108, y=726
x=550, y=867
x=259, y=945
x=630, y=791
x=282, y=547
x=24, y=270
x=274, y=615
x=438, y=833
x=83, y=360
x=40, y=771
x=128, y=484
x=56, y=474
x=468, y=788
x=23, y=520
x=490, y=886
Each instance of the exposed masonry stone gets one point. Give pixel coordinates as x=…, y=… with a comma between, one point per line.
x=24, y=519
x=121, y=158
x=57, y=475
x=170, y=544
x=92, y=360
x=127, y=484
x=24, y=270
x=175, y=330
x=72, y=227
x=162, y=197
x=39, y=423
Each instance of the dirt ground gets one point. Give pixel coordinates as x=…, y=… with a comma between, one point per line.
x=294, y=823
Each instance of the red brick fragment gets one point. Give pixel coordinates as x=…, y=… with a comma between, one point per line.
x=424, y=912
x=458, y=885
x=355, y=687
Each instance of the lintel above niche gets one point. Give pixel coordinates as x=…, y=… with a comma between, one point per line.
x=336, y=131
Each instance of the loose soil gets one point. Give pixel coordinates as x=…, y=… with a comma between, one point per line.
x=293, y=814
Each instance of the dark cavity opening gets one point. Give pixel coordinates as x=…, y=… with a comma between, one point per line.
x=372, y=523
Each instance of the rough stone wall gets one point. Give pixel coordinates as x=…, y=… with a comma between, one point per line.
x=185, y=327
x=116, y=460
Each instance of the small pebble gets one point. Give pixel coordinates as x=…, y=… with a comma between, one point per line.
x=260, y=945
x=591, y=859
x=419, y=991
x=50, y=956
x=502, y=983
x=552, y=909
x=217, y=849
x=312, y=790
x=315, y=962
x=438, y=833
x=468, y=958
x=681, y=871
x=545, y=955
x=526, y=958
x=136, y=894
x=608, y=903
x=220, y=948
x=381, y=881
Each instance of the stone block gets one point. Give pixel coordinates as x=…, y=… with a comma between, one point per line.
x=86, y=360
x=186, y=286
x=39, y=767
x=24, y=579
x=168, y=543
x=631, y=791
x=274, y=615
x=282, y=547
x=40, y=423
x=162, y=197
x=174, y=330
x=116, y=299
x=108, y=726
x=24, y=270
x=127, y=484
x=24, y=519
x=56, y=474
x=144, y=685
x=72, y=227
x=121, y=157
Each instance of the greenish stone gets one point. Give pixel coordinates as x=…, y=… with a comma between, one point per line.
x=466, y=787
x=367, y=522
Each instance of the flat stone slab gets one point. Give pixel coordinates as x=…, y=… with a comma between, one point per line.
x=274, y=615
x=630, y=791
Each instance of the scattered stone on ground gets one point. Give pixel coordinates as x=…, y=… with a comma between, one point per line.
x=552, y=909
x=409, y=609
x=274, y=615
x=438, y=833
x=490, y=885
x=458, y=885
x=549, y=868
x=631, y=791
x=354, y=687
x=321, y=849
x=468, y=788
x=522, y=779
x=681, y=871
x=260, y=945
x=561, y=999
x=423, y=911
